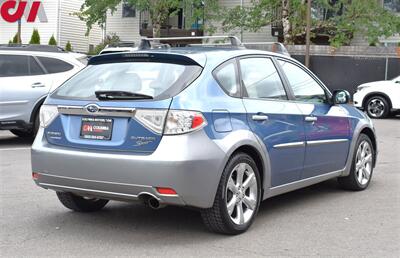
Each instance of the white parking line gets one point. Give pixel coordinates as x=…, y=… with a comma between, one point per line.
x=11, y=149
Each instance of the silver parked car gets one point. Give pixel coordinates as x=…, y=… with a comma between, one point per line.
x=27, y=74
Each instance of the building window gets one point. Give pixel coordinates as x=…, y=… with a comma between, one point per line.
x=392, y=5
x=128, y=11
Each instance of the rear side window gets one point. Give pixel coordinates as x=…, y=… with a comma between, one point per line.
x=226, y=76
x=53, y=65
x=159, y=80
x=18, y=65
x=261, y=79
x=34, y=67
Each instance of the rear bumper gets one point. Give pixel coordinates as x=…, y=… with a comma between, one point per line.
x=190, y=164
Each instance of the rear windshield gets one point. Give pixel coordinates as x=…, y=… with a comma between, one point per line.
x=159, y=80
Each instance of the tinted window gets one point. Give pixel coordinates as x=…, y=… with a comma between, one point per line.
x=128, y=10
x=159, y=80
x=53, y=65
x=34, y=67
x=261, y=79
x=304, y=87
x=14, y=65
x=227, y=77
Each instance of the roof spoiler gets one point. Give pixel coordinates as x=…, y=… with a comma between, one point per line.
x=146, y=43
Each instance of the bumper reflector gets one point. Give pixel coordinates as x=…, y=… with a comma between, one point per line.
x=35, y=176
x=164, y=190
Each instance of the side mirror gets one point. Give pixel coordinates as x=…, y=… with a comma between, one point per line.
x=341, y=97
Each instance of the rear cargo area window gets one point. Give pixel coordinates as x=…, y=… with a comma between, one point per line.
x=158, y=80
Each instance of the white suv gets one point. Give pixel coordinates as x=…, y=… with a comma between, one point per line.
x=27, y=74
x=378, y=99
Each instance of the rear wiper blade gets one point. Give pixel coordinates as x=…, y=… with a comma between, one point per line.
x=120, y=95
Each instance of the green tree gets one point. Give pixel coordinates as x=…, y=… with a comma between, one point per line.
x=95, y=12
x=10, y=41
x=52, y=41
x=35, y=38
x=338, y=20
x=15, y=39
x=68, y=47
x=110, y=40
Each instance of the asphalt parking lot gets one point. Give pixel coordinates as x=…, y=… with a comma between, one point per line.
x=321, y=220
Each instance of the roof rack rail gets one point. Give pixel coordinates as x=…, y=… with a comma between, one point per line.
x=146, y=42
x=275, y=47
x=28, y=47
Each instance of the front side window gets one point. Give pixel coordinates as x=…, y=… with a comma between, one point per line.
x=261, y=79
x=227, y=77
x=148, y=78
x=304, y=87
x=54, y=65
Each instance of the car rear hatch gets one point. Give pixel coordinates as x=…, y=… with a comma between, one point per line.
x=118, y=103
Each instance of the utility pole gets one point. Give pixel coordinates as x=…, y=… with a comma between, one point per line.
x=308, y=32
x=19, y=41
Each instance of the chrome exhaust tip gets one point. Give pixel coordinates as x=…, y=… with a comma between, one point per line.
x=151, y=201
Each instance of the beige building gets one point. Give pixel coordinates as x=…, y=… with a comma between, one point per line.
x=130, y=25
x=60, y=23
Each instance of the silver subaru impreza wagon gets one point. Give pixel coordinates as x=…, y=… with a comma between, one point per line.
x=216, y=128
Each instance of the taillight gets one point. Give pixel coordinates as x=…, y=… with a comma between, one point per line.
x=47, y=115
x=153, y=119
x=183, y=121
x=177, y=121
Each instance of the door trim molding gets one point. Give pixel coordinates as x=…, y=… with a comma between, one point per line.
x=319, y=142
x=289, y=145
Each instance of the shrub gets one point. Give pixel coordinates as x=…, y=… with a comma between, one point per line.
x=35, y=39
x=52, y=41
x=68, y=47
x=15, y=39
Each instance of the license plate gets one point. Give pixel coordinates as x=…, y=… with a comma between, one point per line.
x=94, y=128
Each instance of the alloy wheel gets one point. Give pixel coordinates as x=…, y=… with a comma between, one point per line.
x=241, y=194
x=376, y=107
x=363, y=163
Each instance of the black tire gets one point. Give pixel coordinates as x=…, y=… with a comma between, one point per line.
x=383, y=101
x=217, y=218
x=351, y=182
x=36, y=124
x=26, y=134
x=80, y=204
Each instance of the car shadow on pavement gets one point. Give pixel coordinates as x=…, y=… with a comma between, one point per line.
x=10, y=140
x=120, y=221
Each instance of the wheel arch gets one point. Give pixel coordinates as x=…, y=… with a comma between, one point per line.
x=256, y=156
x=362, y=127
x=36, y=109
x=370, y=133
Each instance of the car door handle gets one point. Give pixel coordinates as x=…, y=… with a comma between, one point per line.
x=259, y=117
x=310, y=119
x=38, y=85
